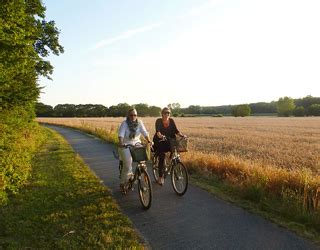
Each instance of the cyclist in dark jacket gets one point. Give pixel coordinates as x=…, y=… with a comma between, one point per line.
x=165, y=127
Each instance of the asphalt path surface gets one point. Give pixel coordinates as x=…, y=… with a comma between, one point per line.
x=197, y=220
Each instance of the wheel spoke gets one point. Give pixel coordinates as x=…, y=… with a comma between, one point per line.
x=179, y=179
x=145, y=190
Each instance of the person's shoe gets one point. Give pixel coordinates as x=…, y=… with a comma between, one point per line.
x=122, y=189
x=161, y=181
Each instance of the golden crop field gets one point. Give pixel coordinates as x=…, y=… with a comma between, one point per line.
x=290, y=143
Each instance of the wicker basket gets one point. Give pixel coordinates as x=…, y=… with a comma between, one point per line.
x=140, y=153
x=181, y=144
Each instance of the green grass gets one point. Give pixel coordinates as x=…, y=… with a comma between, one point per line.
x=268, y=209
x=64, y=205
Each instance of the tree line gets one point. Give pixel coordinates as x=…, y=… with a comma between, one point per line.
x=285, y=106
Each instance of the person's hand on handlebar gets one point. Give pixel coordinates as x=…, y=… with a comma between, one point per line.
x=163, y=138
x=183, y=136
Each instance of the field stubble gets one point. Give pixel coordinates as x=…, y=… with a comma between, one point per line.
x=290, y=143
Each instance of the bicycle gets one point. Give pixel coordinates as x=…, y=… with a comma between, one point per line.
x=140, y=176
x=174, y=167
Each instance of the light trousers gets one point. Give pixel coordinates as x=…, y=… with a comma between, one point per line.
x=125, y=157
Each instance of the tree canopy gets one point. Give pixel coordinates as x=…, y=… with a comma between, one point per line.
x=285, y=106
x=26, y=38
x=241, y=110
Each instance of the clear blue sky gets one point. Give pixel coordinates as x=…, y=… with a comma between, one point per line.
x=194, y=52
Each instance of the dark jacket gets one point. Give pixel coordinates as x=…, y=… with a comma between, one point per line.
x=169, y=132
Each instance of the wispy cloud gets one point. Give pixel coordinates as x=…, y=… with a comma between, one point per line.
x=125, y=35
x=196, y=11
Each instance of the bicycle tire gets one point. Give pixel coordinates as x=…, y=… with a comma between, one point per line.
x=179, y=178
x=155, y=170
x=120, y=168
x=145, y=189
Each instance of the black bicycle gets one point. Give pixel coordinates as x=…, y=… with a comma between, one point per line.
x=173, y=166
x=140, y=175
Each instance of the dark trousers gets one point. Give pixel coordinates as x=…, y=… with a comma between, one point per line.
x=161, y=166
x=161, y=148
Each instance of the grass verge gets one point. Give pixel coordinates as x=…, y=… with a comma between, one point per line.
x=64, y=205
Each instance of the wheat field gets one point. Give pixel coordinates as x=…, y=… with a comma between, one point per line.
x=290, y=143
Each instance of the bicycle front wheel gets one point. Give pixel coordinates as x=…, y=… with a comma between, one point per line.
x=145, y=189
x=179, y=178
x=155, y=164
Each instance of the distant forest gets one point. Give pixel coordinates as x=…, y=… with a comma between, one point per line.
x=120, y=110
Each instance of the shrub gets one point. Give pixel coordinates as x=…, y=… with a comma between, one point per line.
x=19, y=139
x=241, y=110
x=299, y=111
x=285, y=106
x=314, y=110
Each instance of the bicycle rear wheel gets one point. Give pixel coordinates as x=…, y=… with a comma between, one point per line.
x=120, y=168
x=179, y=178
x=145, y=189
x=155, y=164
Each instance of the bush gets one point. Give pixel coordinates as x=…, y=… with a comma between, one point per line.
x=314, y=110
x=285, y=106
x=19, y=139
x=299, y=111
x=241, y=110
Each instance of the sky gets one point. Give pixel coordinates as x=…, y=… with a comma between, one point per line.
x=191, y=52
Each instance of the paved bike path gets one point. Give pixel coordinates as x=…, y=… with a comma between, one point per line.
x=196, y=220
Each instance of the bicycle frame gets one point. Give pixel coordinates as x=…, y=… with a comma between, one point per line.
x=136, y=175
x=174, y=167
x=140, y=177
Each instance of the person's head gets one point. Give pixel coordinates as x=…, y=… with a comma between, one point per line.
x=165, y=112
x=132, y=114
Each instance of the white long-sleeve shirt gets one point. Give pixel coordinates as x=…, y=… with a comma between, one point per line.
x=124, y=132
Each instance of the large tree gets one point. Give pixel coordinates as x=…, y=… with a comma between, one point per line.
x=142, y=109
x=241, y=110
x=314, y=110
x=43, y=110
x=285, y=106
x=26, y=38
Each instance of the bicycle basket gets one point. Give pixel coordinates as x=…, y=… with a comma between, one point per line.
x=139, y=154
x=181, y=144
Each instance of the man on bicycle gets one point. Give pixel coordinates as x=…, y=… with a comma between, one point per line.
x=129, y=134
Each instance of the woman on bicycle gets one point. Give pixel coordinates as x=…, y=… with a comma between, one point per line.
x=129, y=134
x=165, y=129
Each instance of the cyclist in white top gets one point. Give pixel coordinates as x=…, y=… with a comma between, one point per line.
x=129, y=133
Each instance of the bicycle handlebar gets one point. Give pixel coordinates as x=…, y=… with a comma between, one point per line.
x=164, y=138
x=138, y=144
